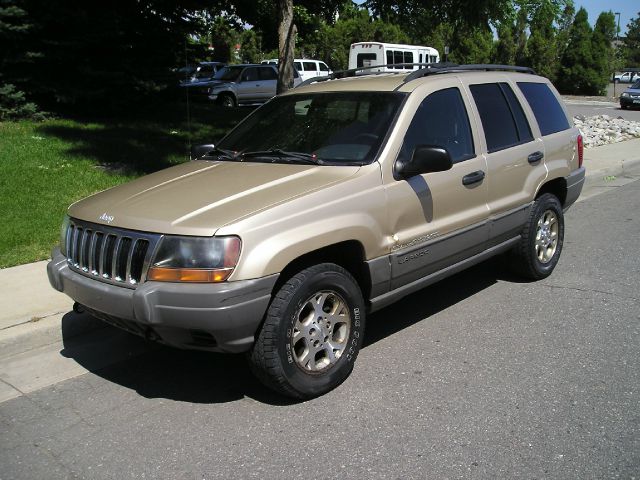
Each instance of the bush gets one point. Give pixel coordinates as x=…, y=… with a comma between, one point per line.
x=14, y=105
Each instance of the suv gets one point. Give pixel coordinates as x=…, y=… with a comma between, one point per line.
x=630, y=98
x=246, y=84
x=307, y=68
x=326, y=204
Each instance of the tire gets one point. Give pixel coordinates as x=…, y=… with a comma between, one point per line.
x=539, y=249
x=303, y=350
x=227, y=100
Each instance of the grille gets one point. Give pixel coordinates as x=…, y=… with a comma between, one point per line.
x=112, y=255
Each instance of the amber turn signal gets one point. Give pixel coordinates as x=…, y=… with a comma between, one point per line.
x=198, y=275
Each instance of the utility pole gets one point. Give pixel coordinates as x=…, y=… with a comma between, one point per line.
x=616, y=53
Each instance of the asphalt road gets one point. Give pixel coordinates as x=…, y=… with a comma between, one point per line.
x=591, y=109
x=480, y=376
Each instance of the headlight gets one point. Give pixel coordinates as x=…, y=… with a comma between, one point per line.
x=63, y=235
x=624, y=94
x=195, y=259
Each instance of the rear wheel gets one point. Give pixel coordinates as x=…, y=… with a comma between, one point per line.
x=312, y=333
x=539, y=249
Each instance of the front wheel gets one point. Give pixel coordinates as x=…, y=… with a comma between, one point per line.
x=312, y=333
x=226, y=100
x=540, y=245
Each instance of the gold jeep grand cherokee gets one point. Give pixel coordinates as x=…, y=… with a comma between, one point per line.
x=328, y=203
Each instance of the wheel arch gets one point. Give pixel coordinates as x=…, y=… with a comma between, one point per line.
x=557, y=187
x=349, y=254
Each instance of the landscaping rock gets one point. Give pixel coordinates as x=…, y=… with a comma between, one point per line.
x=604, y=129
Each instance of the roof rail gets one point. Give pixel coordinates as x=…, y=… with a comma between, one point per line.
x=427, y=69
x=352, y=72
x=436, y=68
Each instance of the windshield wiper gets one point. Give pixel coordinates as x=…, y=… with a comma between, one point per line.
x=222, y=154
x=279, y=154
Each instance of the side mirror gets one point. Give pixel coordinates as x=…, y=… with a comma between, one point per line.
x=198, y=151
x=425, y=159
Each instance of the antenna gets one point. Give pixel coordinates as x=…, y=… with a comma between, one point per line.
x=186, y=91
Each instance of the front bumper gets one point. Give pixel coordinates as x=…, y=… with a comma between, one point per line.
x=630, y=102
x=575, y=182
x=221, y=317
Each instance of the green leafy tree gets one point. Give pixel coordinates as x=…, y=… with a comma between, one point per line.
x=541, y=45
x=579, y=72
x=604, y=33
x=505, y=48
x=564, y=26
x=632, y=43
x=521, y=36
x=472, y=46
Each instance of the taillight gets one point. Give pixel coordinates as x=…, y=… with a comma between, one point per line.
x=580, y=151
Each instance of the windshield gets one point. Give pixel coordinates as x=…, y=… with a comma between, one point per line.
x=636, y=85
x=228, y=74
x=336, y=128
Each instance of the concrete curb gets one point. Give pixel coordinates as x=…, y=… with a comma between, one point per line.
x=32, y=309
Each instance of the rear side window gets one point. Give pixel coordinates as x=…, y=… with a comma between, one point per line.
x=548, y=112
x=502, y=117
x=309, y=66
x=267, y=73
x=441, y=120
x=250, y=74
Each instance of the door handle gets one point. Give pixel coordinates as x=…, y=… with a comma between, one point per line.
x=472, y=178
x=535, y=157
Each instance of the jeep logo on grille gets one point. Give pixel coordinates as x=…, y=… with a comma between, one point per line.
x=105, y=217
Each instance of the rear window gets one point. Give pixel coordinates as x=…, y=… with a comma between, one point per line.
x=548, y=112
x=267, y=73
x=366, y=59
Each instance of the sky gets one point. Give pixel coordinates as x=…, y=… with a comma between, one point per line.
x=628, y=9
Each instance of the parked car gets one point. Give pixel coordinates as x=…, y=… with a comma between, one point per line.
x=198, y=78
x=202, y=72
x=245, y=84
x=627, y=77
x=630, y=98
x=306, y=67
x=328, y=203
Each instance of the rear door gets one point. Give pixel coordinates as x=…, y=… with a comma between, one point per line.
x=515, y=159
x=248, y=86
x=267, y=83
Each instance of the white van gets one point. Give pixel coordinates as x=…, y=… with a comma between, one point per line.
x=306, y=67
x=370, y=54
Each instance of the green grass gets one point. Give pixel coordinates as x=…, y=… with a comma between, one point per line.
x=46, y=166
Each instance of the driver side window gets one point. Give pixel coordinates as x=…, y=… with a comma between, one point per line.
x=441, y=120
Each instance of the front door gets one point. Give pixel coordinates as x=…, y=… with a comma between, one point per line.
x=438, y=219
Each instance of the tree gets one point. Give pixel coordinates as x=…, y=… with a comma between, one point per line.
x=505, y=48
x=604, y=33
x=541, y=46
x=564, y=26
x=579, y=73
x=286, y=45
x=632, y=43
x=473, y=45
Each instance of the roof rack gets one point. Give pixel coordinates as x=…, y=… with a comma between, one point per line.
x=436, y=68
x=352, y=72
x=427, y=69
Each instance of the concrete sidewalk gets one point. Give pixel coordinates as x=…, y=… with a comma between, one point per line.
x=34, y=314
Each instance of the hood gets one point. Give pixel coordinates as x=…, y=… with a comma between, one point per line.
x=198, y=197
